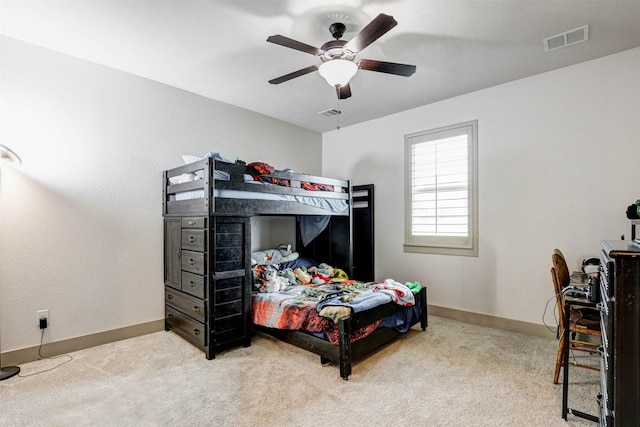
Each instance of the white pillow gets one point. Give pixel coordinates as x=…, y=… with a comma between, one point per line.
x=188, y=158
x=185, y=177
x=221, y=175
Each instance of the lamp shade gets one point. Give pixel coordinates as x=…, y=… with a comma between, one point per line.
x=8, y=156
x=338, y=72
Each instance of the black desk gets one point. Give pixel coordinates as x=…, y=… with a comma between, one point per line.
x=568, y=302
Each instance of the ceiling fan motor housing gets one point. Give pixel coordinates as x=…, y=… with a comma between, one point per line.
x=334, y=49
x=337, y=30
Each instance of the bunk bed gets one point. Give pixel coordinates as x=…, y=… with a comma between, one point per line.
x=207, y=206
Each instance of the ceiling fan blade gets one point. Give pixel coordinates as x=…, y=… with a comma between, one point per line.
x=302, y=72
x=294, y=44
x=343, y=91
x=371, y=32
x=387, y=67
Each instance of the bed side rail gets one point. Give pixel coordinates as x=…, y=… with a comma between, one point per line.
x=193, y=206
x=206, y=168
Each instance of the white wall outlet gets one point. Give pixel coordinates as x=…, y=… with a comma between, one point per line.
x=42, y=314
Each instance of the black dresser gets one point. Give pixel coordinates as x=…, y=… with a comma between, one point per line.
x=620, y=320
x=207, y=280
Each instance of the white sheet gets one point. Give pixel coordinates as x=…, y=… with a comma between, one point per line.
x=332, y=205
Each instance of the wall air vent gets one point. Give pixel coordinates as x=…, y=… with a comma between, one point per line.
x=568, y=38
x=331, y=112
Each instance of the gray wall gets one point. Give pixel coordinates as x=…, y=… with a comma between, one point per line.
x=81, y=230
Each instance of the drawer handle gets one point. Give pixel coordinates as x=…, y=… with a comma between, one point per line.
x=192, y=239
x=191, y=222
x=196, y=332
x=196, y=309
x=191, y=261
x=169, y=316
x=169, y=296
x=192, y=284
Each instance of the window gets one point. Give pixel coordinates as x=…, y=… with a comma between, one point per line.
x=441, y=204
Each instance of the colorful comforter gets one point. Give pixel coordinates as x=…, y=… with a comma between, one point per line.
x=317, y=308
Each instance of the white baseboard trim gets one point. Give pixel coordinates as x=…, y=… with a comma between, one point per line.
x=30, y=354
x=492, y=321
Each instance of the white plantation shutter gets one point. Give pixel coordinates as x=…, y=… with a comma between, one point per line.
x=440, y=190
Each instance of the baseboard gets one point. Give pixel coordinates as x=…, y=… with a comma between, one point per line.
x=30, y=354
x=492, y=321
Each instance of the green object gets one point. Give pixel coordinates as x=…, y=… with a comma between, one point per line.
x=638, y=206
x=414, y=286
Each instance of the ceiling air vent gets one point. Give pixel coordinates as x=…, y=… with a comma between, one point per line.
x=567, y=38
x=331, y=112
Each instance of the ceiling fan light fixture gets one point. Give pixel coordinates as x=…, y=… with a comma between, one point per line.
x=338, y=72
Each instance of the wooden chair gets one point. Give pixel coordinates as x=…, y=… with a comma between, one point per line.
x=584, y=321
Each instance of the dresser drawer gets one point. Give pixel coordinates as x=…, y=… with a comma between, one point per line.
x=193, y=262
x=189, y=305
x=186, y=327
x=605, y=377
x=606, y=274
x=194, y=284
x=194, y=240
x=194, y=222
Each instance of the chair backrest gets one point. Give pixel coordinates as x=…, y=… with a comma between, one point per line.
x=561, y=277
x=557, y=288
x=562, y=271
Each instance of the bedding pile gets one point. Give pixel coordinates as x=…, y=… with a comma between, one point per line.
x=314, y=298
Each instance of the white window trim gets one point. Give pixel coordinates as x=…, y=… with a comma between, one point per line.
x=442, y=244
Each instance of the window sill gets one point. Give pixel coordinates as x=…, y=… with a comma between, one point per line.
x=440, y=250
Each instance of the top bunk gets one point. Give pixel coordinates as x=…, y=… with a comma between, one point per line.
x=212, y=186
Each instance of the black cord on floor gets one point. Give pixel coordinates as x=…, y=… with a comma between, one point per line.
x=40, y=357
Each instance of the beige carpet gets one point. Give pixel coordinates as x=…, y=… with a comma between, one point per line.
x=454, y=374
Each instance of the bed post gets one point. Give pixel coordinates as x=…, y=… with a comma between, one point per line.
x=424, y=322
x=344, y=335
x=209, y=204
x=165, y=180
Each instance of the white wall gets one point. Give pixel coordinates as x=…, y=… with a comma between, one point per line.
x=558, y=165
x=81, y=230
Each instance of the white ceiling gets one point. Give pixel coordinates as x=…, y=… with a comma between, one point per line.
x=218, y=49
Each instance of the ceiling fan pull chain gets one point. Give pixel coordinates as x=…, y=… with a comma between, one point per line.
x=338, y=115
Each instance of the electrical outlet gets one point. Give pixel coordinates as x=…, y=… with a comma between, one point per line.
x=42, y=316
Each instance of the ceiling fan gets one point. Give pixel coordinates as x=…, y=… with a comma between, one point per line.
x=338, y=57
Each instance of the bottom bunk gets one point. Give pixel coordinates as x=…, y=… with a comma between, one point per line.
x=357, y=334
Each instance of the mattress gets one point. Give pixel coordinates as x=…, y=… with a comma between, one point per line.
x=331, y=205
